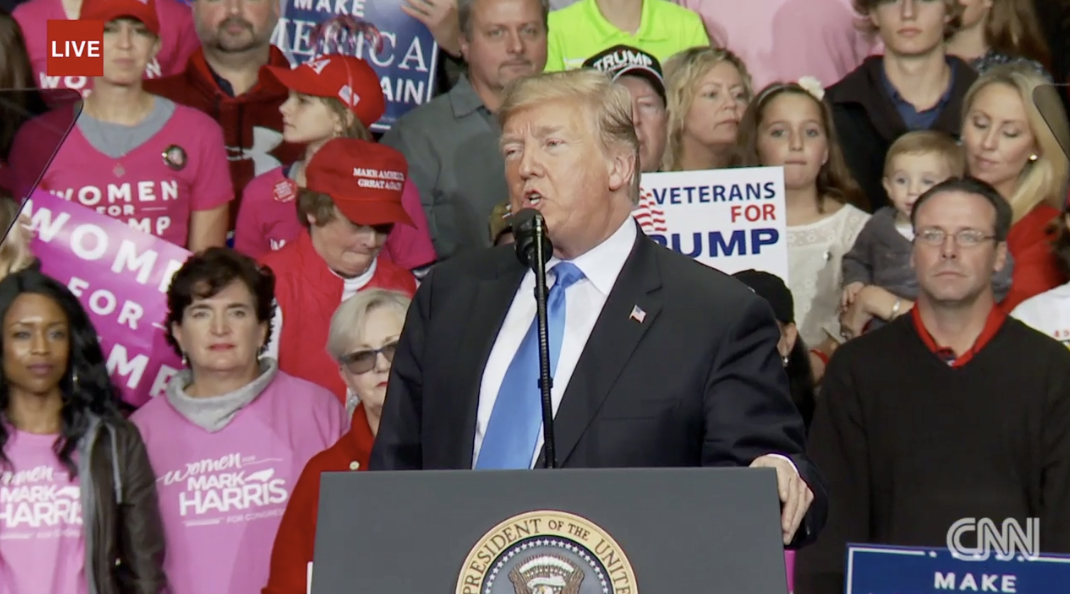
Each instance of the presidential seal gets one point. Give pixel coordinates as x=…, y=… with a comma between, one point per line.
x=547, y=552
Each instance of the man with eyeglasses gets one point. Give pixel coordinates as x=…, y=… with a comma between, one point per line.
x=951, y=411
x=641, y=73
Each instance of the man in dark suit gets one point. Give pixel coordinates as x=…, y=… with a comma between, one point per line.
x=659, y=361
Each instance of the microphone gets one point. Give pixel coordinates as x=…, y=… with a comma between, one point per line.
x=533, y=249
x=529, y=237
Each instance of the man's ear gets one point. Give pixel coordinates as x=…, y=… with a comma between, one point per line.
x=462, y=40
x=623, y=167
x=790, y=335
x=1001, y=256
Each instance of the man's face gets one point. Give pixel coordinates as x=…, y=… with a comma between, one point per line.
x=911, y=27
x=507, y=40
x=556, y=164
x=651, y=121
x=232, y=26
x=950, y=273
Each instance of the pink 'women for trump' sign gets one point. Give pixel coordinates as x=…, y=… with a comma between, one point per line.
x=121, y=276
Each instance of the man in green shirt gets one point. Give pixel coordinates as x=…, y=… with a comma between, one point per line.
x=587, y=27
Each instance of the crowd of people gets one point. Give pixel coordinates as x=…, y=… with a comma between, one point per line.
x=924, y=330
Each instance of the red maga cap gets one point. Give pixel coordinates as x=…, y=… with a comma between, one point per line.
x=350, y=80
x=109, y=10
x=365, y=180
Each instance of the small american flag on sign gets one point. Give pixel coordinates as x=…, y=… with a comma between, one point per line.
x=638, y=314
x=650, y=216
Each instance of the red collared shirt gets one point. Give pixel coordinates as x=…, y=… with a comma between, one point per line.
x=995, y=320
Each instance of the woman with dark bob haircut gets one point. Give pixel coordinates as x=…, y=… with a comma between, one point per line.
x=232, y=433
x=84, y=515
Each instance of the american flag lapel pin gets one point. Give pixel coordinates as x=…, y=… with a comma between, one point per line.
x=637, y=314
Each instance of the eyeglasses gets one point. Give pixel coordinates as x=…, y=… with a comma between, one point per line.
x=965, y=238
x=359, y=362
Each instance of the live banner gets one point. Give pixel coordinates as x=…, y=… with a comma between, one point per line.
x=121, y=276
x=729, y=219
x=406, y=65
x=901, y=570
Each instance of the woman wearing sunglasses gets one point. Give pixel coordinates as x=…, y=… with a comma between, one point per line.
x=364, y=334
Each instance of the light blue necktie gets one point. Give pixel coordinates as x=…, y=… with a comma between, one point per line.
x=513, y=430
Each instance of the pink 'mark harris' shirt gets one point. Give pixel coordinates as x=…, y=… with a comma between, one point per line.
x=785, y=40
x=178, y=41
x=222, y=494
x=154, y=188
x=42, y=544
x=267, y=220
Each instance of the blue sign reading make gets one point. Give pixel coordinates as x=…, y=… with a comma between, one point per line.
x=907, y=570
x=406, y=63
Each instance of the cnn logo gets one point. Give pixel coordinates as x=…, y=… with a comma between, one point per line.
x=1009, y=540
x=75, y=48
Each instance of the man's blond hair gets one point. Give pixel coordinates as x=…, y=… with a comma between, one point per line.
x=609, y=105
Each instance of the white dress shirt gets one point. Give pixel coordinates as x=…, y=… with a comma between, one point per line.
x=583, y=304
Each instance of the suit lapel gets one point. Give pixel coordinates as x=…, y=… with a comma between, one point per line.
x=613, y=340
x=482, y=322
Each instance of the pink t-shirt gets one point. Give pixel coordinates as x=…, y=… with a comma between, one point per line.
x=267, y=220
x=42, y=543
x=785, y=40
x=155, y=187
x=178, y=41
x=222, y=494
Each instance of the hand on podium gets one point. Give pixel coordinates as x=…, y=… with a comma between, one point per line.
x=795, y=494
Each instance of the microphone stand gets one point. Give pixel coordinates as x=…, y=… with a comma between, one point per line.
x=546, y=382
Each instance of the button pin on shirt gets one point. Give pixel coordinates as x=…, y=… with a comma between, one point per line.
x=175, y=157
x=354, y=465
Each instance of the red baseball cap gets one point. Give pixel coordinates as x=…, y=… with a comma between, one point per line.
x=348, y=79
x=109, y=10
x=365, y=180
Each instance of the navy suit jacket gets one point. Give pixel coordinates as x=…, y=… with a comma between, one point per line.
x=699, y=382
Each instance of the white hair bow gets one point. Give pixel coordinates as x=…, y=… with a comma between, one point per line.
x=811, y=85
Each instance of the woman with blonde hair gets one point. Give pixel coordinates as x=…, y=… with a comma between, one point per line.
x=1020, y=150
x=789, y=126
x=996, y=32
x=15, y=254
x=1017, y=149
x=708, y=89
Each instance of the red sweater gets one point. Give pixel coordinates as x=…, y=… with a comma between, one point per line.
x=308, y=294
x=251, y=122
x=296, y=539
x=1036, y=269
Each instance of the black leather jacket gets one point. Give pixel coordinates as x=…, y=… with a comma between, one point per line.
x=120, y=511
